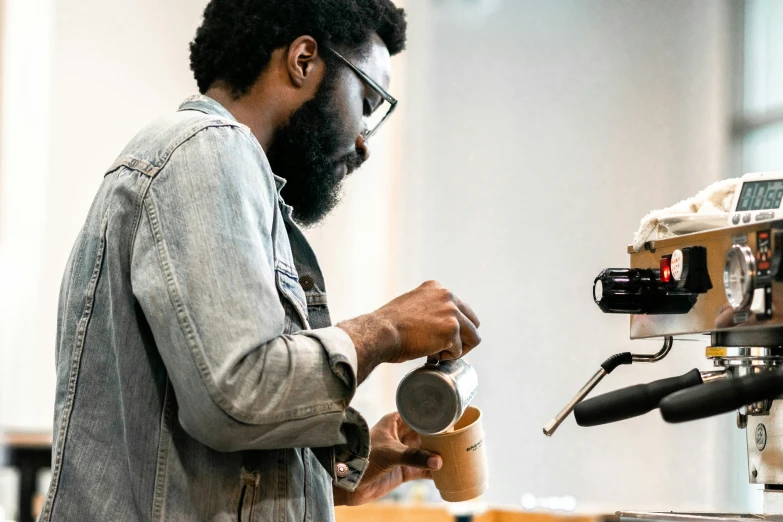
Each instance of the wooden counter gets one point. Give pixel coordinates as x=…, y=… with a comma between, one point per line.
x=393, y=513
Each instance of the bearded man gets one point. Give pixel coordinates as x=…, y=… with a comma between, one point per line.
x=199, y=376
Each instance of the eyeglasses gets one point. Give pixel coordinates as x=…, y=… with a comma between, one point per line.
x=377, y=116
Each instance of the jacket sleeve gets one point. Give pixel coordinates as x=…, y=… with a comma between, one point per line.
x=203, y=271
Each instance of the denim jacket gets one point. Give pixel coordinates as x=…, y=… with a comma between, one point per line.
x=198, y=374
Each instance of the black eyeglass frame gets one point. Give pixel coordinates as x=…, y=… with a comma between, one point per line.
x=391, y=100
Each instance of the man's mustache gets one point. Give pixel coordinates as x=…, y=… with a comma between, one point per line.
x=352, y=160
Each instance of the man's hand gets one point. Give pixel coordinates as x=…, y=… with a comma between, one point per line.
x=396, y=457
x=427, y=321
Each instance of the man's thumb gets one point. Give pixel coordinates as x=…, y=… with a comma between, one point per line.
x=417, y=458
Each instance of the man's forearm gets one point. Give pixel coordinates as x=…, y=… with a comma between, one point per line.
x=376, y=341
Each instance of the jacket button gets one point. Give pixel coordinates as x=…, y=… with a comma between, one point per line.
x=307, y=283
x=342, y=470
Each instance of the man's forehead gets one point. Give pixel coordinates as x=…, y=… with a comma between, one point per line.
x=376, y=61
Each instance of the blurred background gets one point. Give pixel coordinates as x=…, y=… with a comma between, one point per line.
x=531, y=138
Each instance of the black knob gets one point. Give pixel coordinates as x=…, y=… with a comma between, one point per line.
x=695, y=273
x=639, y=291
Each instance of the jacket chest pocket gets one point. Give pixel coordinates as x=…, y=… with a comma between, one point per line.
x=249, y=485
x=292, y=297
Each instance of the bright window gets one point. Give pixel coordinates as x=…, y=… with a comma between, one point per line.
x=761, y=122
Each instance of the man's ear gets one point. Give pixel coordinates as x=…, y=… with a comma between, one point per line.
x=304, y=61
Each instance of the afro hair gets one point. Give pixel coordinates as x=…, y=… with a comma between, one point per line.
x=237, y=37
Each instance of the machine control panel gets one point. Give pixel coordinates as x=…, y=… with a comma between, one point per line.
x=689, y=269
x=759, y=198
x=747, y=260
x=748, y=275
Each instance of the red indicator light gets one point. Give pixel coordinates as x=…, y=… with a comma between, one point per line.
x=666, y=270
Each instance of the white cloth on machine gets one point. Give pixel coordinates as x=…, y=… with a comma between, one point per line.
x=715, y=198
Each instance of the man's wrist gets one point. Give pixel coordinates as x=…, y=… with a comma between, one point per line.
x=376, y=341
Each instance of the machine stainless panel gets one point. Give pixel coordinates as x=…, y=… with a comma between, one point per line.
x=764, y=435
x=712, y=312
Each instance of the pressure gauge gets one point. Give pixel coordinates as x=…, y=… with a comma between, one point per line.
x=739, y=276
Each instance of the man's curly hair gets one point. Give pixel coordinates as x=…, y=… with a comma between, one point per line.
x=236, y=40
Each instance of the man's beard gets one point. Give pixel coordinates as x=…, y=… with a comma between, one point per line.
x=303, y=152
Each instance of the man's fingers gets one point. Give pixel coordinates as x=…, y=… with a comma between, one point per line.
x=412, y=439
x=468, y=333
x=467, y=310
x=403, y=430
x=408, y=436
x=409, y=473
x=468, y=337
x=454, y=348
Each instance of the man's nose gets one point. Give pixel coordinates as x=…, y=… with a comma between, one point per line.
x=362, y=148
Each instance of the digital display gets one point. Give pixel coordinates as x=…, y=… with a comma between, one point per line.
x=760, y=195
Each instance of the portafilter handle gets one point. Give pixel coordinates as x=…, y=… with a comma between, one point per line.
x=715, y=398
x=632, y=401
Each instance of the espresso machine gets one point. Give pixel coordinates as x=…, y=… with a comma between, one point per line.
x=725, y=283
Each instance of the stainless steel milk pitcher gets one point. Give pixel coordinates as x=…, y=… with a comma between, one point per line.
x=433, y=397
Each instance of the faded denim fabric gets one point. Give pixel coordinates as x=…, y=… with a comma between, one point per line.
x=195, y=373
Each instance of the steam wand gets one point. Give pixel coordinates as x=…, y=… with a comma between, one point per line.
x=606, y=368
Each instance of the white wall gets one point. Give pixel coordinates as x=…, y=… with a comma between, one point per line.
x=102, y=69
x=80, y=77
x=25, y=40
x=541, y=132
x=24, y=166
